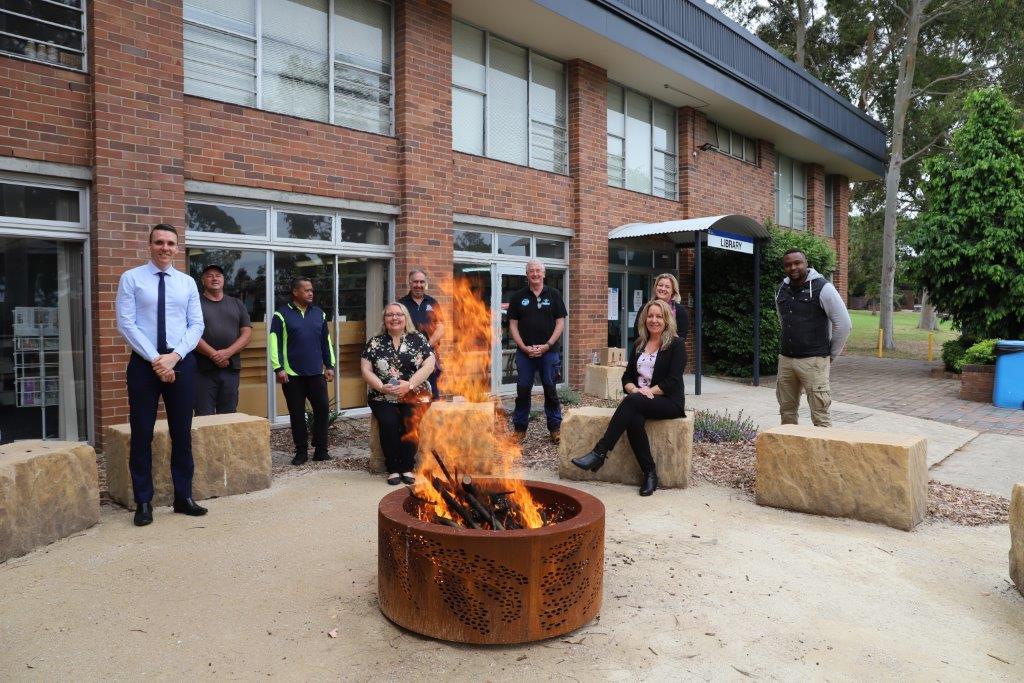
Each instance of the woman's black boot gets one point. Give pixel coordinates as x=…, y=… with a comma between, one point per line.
x=591, y=461
x=650, y=483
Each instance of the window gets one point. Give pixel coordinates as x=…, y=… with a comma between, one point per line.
x=830, y=206
x=52, y=31
x=39, y=203
x=473, y=240
x=732, y=143
x=508, y=102
x=641, y=143
x=252, y=221
x=304, y=62
x=470, y=240
x=790, y=193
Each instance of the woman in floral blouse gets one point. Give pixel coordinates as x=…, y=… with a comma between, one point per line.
x=395, y=365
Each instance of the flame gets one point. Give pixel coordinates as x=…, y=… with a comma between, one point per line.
x=467, y=374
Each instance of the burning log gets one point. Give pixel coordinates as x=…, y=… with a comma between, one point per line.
x=472, y=496
x=444, y=469
x=454, y=505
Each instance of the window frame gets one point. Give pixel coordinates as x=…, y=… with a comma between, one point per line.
x=530, y=52
x=794, y=165
x=625, y=89
x=84, y=30
x=270, y=240
x=830, y=206
x=719, y=130
x=81, y=226
x=332, y=60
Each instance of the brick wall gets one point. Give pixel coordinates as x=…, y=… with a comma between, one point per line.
x=496, y=189
x=45, y=113
x=588, y=257
x=136, y=61
x=227, y=143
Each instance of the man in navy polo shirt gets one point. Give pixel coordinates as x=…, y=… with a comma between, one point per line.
x=427, y=317
x=536, y=320
x=302, y=355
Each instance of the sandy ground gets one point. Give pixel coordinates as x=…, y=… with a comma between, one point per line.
x=700, y=583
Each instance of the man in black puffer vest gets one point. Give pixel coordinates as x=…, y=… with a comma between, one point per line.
x=815, y=325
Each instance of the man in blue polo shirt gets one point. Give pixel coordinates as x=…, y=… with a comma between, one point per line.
x=427, y=317
x=302, y=355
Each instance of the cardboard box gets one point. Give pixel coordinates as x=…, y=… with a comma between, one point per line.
x=613, y=356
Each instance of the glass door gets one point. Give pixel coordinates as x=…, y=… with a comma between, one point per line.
x=320, y=269
x=637, y=293
x=479, y=280
x=42, y=340
x=511, y=279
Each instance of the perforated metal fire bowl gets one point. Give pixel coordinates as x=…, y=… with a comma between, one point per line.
x=491, y=587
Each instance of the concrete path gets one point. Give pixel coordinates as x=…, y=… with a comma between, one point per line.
x=699, y=584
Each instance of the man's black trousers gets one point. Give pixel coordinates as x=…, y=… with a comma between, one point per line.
x=297, y=390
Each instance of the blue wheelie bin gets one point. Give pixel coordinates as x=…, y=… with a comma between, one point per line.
x=1008, y=391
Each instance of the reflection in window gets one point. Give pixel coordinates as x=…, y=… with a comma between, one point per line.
x=790, y=192
x=230, y=220
x=664, y=261
x=38, y=203
x=364, y=232
x=550, y=248
x=470, y=240
x=616, y=255
x=513, y=245
x=303, y=226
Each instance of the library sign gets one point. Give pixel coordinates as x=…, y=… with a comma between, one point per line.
x=730, y=242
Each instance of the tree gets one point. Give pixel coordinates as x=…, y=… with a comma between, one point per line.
x=909, y=63
x=970, y=235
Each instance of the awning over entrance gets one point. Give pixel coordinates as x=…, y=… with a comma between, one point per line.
x=682, y=232
x=691, y=233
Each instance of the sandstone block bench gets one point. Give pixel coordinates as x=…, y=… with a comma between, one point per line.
x=671, y=447
x=870, y=476
x=231, y=454
x=48, y=491
x=467, y=427
x=1017, y=537
x=604, y=381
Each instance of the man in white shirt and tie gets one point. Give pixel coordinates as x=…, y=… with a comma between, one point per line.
x=160, y=316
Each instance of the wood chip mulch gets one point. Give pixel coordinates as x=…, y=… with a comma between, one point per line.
x=723, y=464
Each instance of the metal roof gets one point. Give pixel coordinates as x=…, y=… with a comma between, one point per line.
x=734, y=223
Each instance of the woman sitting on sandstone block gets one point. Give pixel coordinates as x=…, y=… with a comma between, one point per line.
x=653, y=382
x=395, y=366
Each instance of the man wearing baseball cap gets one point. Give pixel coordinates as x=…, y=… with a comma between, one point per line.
x=227, y=332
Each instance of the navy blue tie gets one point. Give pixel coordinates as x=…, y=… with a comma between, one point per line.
x=161, y=316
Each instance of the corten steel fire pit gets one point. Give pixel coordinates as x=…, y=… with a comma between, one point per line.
x=491, y=587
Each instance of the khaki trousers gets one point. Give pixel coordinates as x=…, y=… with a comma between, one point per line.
x=811, y=376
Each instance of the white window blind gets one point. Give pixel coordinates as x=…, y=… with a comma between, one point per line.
x=508, y=102
x=507, y=132
x=293, y=51
x=362, y=65
x=642, y=143
x=790, y=193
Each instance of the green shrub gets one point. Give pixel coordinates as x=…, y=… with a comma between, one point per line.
x=728, y=301
x=569, y=396
x=982, y=353
x=953, y=352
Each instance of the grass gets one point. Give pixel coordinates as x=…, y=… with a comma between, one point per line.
x=910, y=341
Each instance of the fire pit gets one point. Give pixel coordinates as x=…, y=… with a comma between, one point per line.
x=492, y=587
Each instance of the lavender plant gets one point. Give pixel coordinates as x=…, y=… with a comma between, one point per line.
x=712, y=427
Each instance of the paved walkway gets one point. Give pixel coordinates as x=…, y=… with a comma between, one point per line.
x=907, y=387
x=970, y=444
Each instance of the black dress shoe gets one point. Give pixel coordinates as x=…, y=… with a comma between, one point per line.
x=321, y=457
x=300, y=459
x=187, y=506
x=408, y=478
x=591, y=461
x=394, y=479
x=650, y=483
x=143, y=514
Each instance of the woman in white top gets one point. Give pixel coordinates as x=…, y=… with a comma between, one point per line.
x=653, y=382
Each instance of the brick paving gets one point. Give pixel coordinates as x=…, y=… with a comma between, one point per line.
x=907, y=387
